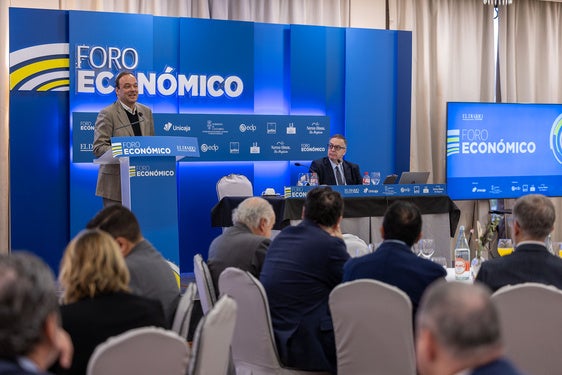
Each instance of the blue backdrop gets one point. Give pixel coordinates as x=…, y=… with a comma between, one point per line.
x=358, y=78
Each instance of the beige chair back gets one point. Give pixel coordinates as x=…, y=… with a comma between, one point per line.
x=530, y=316
x=234, y=185
x=140, y=351
x=210, y=353
x=373, y=329
x=204, y=283
x=182, y=316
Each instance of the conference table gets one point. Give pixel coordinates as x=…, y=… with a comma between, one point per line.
x=363, y=215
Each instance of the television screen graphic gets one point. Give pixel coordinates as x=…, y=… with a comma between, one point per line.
x=503, y=150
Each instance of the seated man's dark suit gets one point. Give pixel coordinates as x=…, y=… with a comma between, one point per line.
x=499, y=366
x=302, y=266
x=395, y=264
x=323, y=168
x=530, y=262
x=237, y=247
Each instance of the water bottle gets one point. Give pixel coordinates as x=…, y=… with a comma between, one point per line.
x=366, y=179
x=462, y=257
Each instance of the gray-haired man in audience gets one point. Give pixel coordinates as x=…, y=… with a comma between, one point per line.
x=31, y=338
x=458, y=332
x=244, y=244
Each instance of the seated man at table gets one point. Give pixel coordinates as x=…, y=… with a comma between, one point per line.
x=533, y=220
x=244, y=244
x=302, y=266
x=394, y=262
x=332, y=169
x=458, y=332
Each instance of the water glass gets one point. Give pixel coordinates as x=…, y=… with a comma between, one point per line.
x=375, y=178
x=505, y=246
x=427, y=247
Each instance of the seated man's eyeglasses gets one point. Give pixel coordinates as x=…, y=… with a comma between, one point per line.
x=335, y=147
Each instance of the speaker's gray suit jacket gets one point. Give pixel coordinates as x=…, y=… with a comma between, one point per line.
x=112, y=121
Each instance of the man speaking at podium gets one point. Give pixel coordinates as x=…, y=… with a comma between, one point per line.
x=123, y=118
x=332, y=169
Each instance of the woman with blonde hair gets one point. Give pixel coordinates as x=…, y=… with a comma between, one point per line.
x=96, y=300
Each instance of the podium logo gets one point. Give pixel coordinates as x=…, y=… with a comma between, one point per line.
x=44, y=67
x=556, y=139
x=453, y=141
x=116, y=149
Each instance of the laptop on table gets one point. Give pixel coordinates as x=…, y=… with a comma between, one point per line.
x=414, y=178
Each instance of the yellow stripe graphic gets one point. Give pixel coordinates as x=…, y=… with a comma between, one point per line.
x=51, y=85
x=24, y=72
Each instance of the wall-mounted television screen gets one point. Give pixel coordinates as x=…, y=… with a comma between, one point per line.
x=503, y=150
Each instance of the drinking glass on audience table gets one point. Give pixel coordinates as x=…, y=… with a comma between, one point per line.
x=427, y=247
x=505, y=246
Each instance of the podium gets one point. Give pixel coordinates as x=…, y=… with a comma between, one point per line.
x=149, y=184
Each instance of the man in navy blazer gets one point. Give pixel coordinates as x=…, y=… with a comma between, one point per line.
x=394, y=262
x=325, y=167
x=302, y=266
x=533, y=220
x=458, y=332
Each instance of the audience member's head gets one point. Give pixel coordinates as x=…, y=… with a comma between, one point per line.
x=257, y=214
x=533, y=218
x=91, y=265
x=402, y=221
x=29, y=310
x=121, y=223
x=323, y=206
x=457, y=327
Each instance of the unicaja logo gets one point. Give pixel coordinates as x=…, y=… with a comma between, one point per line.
x=555, y=138
x=167, y=126
x=453, y=141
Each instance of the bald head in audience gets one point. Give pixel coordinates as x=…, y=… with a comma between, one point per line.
x=458, y=328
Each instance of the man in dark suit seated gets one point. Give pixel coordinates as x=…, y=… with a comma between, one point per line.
x=394, y=262
x=302, y=266
x=458, y=332
x=533, y=220
x=347, y=173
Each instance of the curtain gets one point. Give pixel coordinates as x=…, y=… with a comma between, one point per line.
x=452, y=60
x=530, y=51
x=325, y=12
